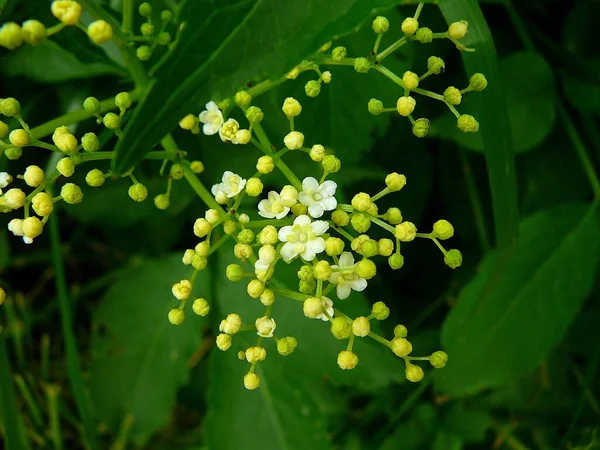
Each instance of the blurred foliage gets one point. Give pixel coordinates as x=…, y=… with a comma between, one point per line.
x=519, y=319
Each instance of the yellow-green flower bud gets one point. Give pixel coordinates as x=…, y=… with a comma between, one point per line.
x=11, y=36
x=67, y=11
x=2, y=296
x=13, y=153
x=234, y=272
x=176, y=171
x=467, y=124
x=223, y=342
x=265, y=164
x=317, y=152
x=312, y=307
x=381, y=24
x=267, y=298
x=251, y=381
x=71, y=193
x=306, y=273
x=405, y=105
x=10, y=107
x=286, y=345
x=438, y=359
x=373, y=210
x=254, y=187
x=100, y=32
x=458, y=30
x=436, y=65
x=143, y=53
x=147, y=29
x=385, y=247
x=32, y=227
x=42, y=203
x=401, y=347
x=202, y=248
x=3, y=130
x=199, y=262
x=369, y=248
x=395, y=181
x=421, y=127
x=326, y=77
x=166, y=16
x=176, y=316
x=91, y=105
x=443, y=229
x=138, y=192
x=111, y=121
x=477, y=82
x=334, y=246
x=245, y=236
x=340, y=218
x=393, y=216
x=360, y=222
x=90, y=142
x=293, y=74
x=197, y=167
x=255, y=354
x=65, y=167
x=66, y=142
x=254, y=115
x=362, y=65
x=361, y=327
x=452, y=96
x=182, y=289
x=323, y=270
x=361, y=201
x=375, y=106
x=202, y=227
x=145, y=9
x=341, y=328
x=331, y=164
x=358, y=243
x=414, y=373
x=396, y=261
x=33, y=31
x=123, y=100
x=424, y=35
x=366, y=269
x=33, y=176
x=242, y=251
x=201, y=307
x=453, y=258
x=19, y=138
x=13, y=198
x=400, y=331
x=189, y=123
x=405, y=231
x=164, y=38
x=380, y=311
x=231, y=324
x=338, y=54
x=291, y=107
x=410, y=80
x=265, y=326
x=294, y=140
x=312, y=88
x=409, y=26
x=95, y=178
x=347, y=360
x=307, y=287
x=242, y=99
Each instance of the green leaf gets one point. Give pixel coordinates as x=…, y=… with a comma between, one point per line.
x=50, y=63
x=139, y=362
x=469, y=424
x=529, y=87
x=241, y=40
x=494, y=121
x=522, y=301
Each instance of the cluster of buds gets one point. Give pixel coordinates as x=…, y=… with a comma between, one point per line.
x=68, y=12
x=151, y=35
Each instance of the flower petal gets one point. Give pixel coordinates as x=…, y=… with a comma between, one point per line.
x=329, y=203
x=343, y=291
x=327, y=189
x=211, y=106
x=316, y=210
x=283, y=213
x=284, y=232
x=303, y=220
x=319, y=227
x=310, y=183
x=210, y=128
x=288, y=251
x=359, y=285
x=316, y=245
x=346, y=259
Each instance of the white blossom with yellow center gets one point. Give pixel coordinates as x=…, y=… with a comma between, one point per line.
x=318, y=198
x=228, y=132
x=212, y=118
x=345, y=276
x=302, y=238
x=230, y=186
x=272, y=207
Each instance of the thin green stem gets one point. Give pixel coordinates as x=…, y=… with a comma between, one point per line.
x=418, y=11
x=379, y=339
x=53, y=414
x=127, y=23
x=395, y=46
x=34, y=409
x=382, y=224
x=291, y=294
x=343, y=232
x=199, y=188
x=331, y=62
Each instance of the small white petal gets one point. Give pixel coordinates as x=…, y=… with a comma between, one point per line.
x=329, y=203
x=316, y=210
x=327, y=189
x=359, y=285
x=319, y=227
x=302, y=220
x=288, y=252
x=346, y=259
x=316, y=245
x=343, y=291
x=283, y=213
x=310, y=183
x=284, y=232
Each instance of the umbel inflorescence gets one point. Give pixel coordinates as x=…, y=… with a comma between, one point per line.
x=330, y=244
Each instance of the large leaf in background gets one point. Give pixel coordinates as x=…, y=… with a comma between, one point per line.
x=50, y=63
x=225, y=45
x=522, y=301
x=529, y=88
x=292, y=397
x=495, y=126
x=139, y=363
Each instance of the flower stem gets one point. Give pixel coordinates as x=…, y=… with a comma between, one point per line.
x=202, y=192
x=395, y=46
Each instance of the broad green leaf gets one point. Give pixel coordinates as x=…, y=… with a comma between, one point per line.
x=416, y=432
x=241, y=40
x=494, y=121
x=139, y=359
x=469, y=424
x=522, y=301
x=50, y=63
x=529, y=88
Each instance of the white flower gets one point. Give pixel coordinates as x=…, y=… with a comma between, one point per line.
x=228, y=131
x=328, y=307
x=266, y=256
x=212, y=119
x=5, y=180
x=302, y=238
x=318, y=198
x=272, y=207
x=345, y=276
x=265, y=326
x=230, y=186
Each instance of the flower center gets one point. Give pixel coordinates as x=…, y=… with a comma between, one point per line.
x=317, y=197
x=303, y=237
